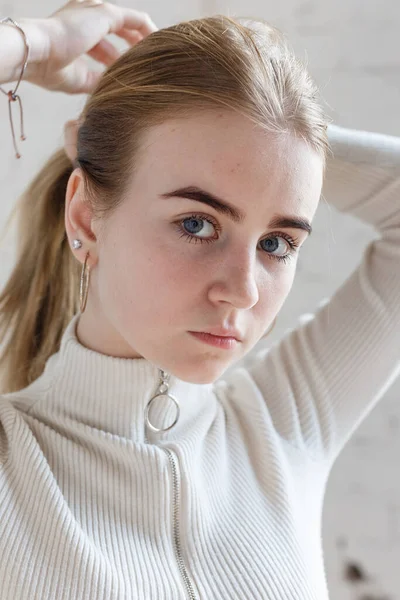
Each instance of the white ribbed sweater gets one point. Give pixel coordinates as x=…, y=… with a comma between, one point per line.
x=228, y=503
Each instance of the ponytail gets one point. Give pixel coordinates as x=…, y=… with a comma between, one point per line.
x=42, y=293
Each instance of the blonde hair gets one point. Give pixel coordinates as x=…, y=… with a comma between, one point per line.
x=241, y=64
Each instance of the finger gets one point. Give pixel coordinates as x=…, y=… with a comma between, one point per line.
x=104, y=52
x=130, y=36
x=134, y=19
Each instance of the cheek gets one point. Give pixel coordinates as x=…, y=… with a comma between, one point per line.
x=274, y=291
x=284, y=285
x=148, y=278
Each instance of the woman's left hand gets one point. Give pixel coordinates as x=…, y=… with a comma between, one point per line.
x=79, y=28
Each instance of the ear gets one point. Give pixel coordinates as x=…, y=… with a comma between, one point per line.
x=79, y=217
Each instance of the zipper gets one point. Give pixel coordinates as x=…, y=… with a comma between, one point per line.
x=176, y=497
x=175, y=523
x=173, y=459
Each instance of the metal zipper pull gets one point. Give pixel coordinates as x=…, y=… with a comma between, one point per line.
x=162, y=391
x=174, y=463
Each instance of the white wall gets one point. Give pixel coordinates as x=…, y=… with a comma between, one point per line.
x=353, y=52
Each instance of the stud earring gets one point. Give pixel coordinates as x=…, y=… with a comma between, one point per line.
x=77, y=244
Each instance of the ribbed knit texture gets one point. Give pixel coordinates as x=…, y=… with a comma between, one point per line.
x=87, y=507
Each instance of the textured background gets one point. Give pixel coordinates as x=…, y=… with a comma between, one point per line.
x=352, y=49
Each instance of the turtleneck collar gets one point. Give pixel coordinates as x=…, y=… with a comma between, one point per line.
x=111, y=393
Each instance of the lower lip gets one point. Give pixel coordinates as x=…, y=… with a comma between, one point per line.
x=228, y=343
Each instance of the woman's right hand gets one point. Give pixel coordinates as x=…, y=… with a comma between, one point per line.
x=78, y=28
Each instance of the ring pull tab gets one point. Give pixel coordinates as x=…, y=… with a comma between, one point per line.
x=162, y=391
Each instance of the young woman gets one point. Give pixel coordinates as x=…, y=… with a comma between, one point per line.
x=152, y=256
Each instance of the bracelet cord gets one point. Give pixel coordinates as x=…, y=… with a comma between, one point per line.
x=12, y=95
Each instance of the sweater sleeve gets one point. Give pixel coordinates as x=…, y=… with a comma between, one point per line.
x=323, y=378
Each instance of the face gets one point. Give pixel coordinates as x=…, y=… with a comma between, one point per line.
x=165, y=264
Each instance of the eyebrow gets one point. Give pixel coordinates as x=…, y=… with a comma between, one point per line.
x=234, y=213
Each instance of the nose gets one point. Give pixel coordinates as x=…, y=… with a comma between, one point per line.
x=236, y=281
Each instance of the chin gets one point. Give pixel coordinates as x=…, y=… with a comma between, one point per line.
x=199, y=373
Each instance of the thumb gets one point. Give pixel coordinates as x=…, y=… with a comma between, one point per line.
x=76, y=78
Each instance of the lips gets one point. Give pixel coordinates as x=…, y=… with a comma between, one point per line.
x=223, y=342
x=224, y=332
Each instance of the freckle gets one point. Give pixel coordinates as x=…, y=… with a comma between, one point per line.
x=234, y=168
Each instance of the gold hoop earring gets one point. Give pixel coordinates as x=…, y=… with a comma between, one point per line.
x=84, y=287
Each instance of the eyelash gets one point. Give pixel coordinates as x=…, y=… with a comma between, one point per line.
x=293, y=243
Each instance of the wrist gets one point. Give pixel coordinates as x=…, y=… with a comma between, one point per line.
x=14, y=50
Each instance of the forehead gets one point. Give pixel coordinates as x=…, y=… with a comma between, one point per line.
x=231, y=156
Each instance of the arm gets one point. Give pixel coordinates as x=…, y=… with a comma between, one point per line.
x=321, y=380
x=12, y=48
x=60, y=42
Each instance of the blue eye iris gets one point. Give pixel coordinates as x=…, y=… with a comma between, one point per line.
x=195, y=222
x=270, y=242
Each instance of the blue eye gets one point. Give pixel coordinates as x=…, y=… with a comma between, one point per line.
x=195, y=226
